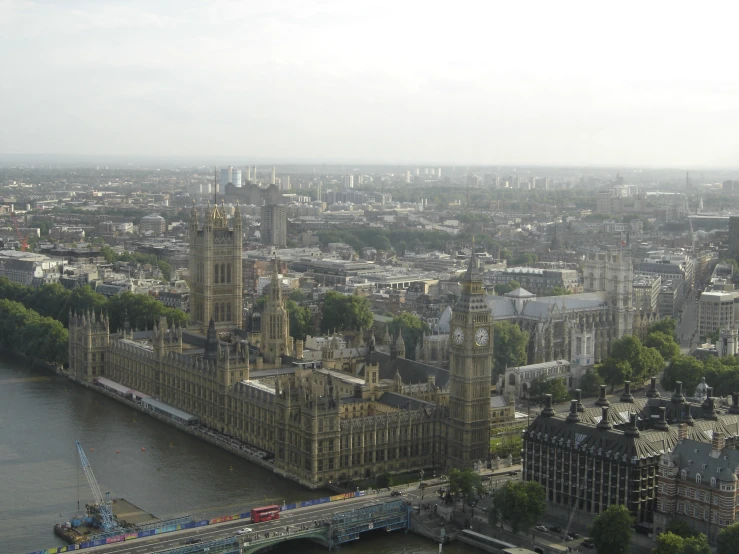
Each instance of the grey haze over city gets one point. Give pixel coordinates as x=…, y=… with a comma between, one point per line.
x=582, y=83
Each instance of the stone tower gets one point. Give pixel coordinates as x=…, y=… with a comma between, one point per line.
x=215, y=270
x=470, y=367
x=89, y=337
x=275, y=341
x=611, y=271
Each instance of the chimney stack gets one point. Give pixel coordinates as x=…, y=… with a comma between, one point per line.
x=734, y=409
x=682, y=432
x=678, y=397
x=661, y=424
x=578, y=397
x=653, y=392
x=686, y=416
x=718, y=442
x=604, y=424
x=548, y=411
x=632, y=429
x=602, y=400
x=626, y=396
x=573, y=416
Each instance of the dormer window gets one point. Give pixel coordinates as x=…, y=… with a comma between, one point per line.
x=698, y=478
x=704, y=466
x=713, y=481
x=684, y=474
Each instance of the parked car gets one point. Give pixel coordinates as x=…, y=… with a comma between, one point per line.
x=574, y=535
x=555, y=529
x=588, y=543
x=396, y=493
x=513, y=473
x=541, y=528
x=569, y=538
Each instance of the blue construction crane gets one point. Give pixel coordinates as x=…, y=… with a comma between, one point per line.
x=103, y=506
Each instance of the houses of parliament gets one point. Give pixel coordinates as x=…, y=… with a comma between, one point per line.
x=348, y=413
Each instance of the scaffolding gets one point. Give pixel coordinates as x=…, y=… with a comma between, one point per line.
x=347, y=526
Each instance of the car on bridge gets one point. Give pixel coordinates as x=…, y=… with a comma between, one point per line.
x=245, y=531
x=396, y=493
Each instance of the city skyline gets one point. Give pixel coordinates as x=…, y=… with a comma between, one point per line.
x=403, y=84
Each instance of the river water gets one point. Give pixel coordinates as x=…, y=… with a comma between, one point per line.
x=152, y=465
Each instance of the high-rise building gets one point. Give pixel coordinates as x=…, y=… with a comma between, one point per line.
x=407, y=176
x=286, y=183
x=226, y=177
x=319, y=192
x=236, y=177
x=470, y=367
x=274, y=225
x=248, y=174
x=734, y=236
x=153, y=223
x=348, y=181
x=215, y=270
x=273, y=177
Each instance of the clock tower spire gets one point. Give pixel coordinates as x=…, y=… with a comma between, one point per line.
x=470, y=366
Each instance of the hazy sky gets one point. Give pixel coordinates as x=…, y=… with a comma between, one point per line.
x=550, y=83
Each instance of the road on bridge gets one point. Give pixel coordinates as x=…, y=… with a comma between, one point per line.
x=291, y=518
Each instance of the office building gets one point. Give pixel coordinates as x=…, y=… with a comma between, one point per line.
x=734, y=236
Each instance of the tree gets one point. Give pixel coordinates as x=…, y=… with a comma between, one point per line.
x=650, y=362
x=590, y=383
x=505, y=288
x=663, y=343
x=413, y=328
x=558, y=291
x=669, y=543
x=611, y=531
x=509, y=445
x=518, y=503
x=556, y=387
x=672, y=543
x=683, y=368
x=681, y=528
x=509, y=346
x=297, y=296
x=627, y=348
x=667, y=325
x=614, y=371
x=345, y=312
x=301, y=320
x=465, y=482
x=384, y=480
x=728, y=539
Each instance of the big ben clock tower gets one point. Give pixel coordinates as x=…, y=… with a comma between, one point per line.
x=470, y=366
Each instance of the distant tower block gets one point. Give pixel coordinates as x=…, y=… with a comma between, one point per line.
x=248, y=174
x=273, y=178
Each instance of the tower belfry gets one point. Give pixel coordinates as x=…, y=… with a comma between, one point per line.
x=215, y=269
x=470, y=367
x=275, y=340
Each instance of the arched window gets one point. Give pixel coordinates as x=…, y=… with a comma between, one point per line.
x=223, y=273
x=713, y=481
x=215, y=274
x=228, y=312
x=684, y=474
x=698, y=478
x=228, y=274
x=216, y=313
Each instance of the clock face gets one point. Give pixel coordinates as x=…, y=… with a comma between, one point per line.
x=458, y=336
x=481, y=337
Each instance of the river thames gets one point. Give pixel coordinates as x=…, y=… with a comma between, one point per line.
x=152, y=465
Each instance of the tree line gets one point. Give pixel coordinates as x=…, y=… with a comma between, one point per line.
x=27, y=332
x=54, y=301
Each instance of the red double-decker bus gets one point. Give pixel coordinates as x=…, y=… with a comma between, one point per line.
x=266, y=513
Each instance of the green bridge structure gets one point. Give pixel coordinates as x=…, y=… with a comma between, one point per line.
x=343, y=527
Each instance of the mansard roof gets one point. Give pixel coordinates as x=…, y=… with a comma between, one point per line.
x=612, y=444
x=404, y=402
x=695, y=458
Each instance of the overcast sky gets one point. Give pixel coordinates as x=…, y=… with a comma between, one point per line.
x=548, y=83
